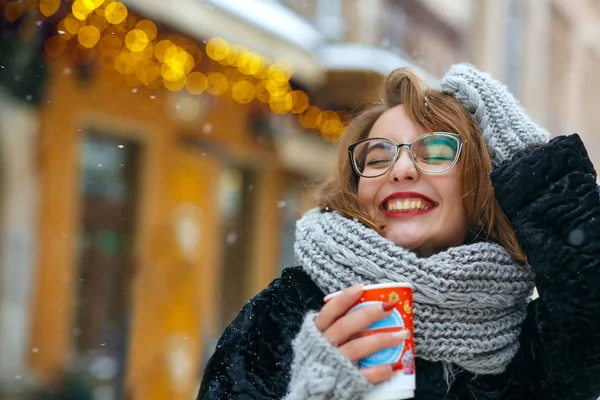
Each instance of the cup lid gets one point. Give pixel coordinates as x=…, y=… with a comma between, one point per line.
x=375, y=286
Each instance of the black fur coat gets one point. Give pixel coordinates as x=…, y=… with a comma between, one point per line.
x=552, y=200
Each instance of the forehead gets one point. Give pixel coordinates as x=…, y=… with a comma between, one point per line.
x=395, y=124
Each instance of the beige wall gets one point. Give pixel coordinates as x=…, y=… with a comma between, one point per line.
x=559, y=57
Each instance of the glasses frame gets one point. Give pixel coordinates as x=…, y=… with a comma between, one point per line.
x=410, y=153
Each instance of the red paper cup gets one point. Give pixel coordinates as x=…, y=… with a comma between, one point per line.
x=402, y=357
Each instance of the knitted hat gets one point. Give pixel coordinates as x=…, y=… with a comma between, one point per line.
x=505, y=126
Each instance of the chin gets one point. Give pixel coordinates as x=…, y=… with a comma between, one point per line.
x=402, y=240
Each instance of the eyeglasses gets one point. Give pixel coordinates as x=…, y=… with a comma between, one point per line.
x=431, y=153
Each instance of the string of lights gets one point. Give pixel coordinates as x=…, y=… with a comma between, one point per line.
x=136, y=53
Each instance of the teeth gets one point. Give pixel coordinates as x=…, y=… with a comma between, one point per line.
x=407, y=205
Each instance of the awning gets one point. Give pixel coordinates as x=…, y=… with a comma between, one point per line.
x=266, y=27
x=276, y=31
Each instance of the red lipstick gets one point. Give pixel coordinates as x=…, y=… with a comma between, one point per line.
x=407, y=213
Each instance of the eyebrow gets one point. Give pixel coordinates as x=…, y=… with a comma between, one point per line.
x=378, y=145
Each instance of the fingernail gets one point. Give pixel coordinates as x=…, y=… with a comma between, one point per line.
x=396, y=366
x=389, y=305
x=354, y=290
x=401, y=334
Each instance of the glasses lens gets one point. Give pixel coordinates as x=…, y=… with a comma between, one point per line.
x=436, y=152
x=373, y=157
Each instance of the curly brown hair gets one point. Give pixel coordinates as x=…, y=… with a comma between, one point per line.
x=437, y=112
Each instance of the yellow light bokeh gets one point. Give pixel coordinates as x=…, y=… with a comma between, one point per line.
x=136, y=59
x=277, y=88
x=98, y=21
x=71, y=25
x=54, y=46
x=176, y=85
x=125, y=63
x=170, y=74
x=161, y=48
x=330, y=128
x=148, y=27
x=196, y=83
x=301, y=101
x=243, y=92
x=88, y=36
x=217, y=49
x=147, y=72
x=308, y=118
x=281, y=104
x=49, y=7
x=115, y=13
x=326, y=116
x=136, y=40
x=249, y=63
x=217, y=83
x=110, y=45
x=178, y=60
x=145, y=54
x=92, y=4
x=80, y=11
x=262, y=94
x=13, y=11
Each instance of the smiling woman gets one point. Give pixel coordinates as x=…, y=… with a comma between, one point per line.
x=477, y=209
x=407, y=110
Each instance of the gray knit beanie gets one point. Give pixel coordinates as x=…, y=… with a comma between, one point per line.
x=505, y=126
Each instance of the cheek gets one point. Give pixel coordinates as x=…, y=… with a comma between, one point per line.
x=367, y=190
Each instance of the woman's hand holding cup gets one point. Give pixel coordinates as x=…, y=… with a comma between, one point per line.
x=342, y=329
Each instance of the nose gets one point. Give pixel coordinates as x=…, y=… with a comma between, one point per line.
x=404, y=168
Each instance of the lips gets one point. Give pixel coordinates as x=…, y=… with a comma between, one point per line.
x=407, y=204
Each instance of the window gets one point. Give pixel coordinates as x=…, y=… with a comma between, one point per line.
x=110, y=175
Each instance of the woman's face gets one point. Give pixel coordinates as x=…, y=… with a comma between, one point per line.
x=422, y=212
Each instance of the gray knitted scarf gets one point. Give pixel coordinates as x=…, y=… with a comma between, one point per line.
x=469, y=301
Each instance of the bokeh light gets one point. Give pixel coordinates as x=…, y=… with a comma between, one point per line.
x=147, y=72
x=196, y=83
x=187, y=109
x=92, y=4
x=309, y=117
x=243, y=92
x=300, y=100
x=217, y=49
x=136, y=40
x=13, y=11
x=217, y=83
x=281, y=104
x=49, y=7
x=262, y=94
x=110, y=45
x=174, y=85
x=131, y=53
x=88, y=36
x=161, y=48
x=148, y=27
x=80, y=11
x=115, y=13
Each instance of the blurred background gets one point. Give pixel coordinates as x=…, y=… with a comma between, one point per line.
x=154, y=156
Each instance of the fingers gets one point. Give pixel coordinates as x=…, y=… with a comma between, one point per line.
x=344, y=328
x=359, y=348
x=378, y=374
x=337, y=307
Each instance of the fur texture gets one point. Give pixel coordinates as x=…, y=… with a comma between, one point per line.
x=551, y=197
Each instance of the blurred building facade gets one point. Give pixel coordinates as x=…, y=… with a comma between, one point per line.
x=136, y=221
x=546, y=51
